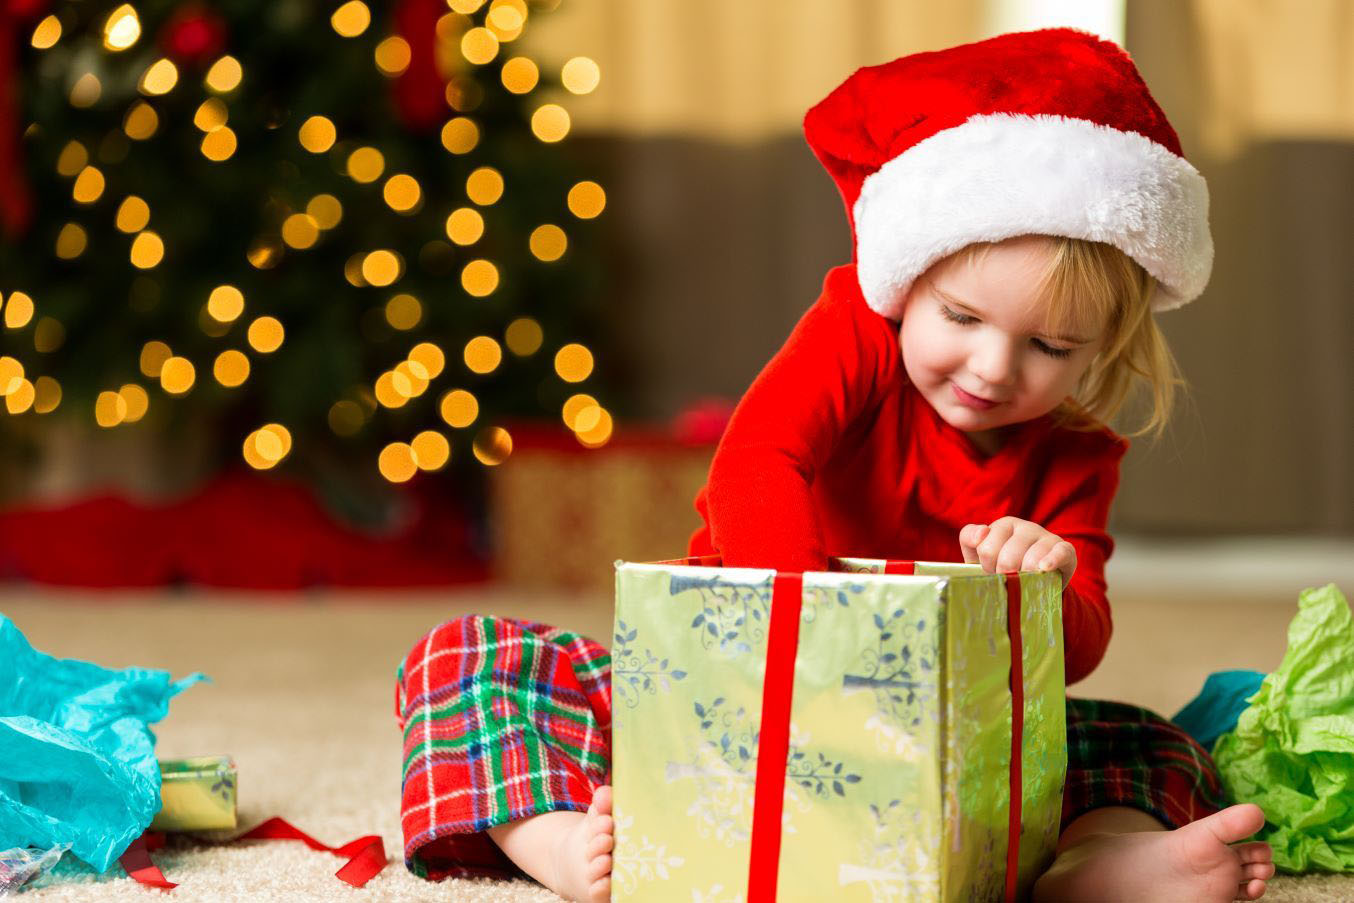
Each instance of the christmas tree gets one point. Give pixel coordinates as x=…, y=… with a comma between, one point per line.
x=335, y=232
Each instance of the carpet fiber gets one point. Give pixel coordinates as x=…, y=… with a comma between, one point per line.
x=303, y=692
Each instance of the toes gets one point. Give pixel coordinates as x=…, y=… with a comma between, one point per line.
x=1261, y=870
x=601, y=801
x=1256, y=851
x=1251, y=890
x=600, y=891
x=603, y=843
x=599, y=868
x=1235, y=822
x=603, y=825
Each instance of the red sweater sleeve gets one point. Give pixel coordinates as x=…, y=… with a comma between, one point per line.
x=1075, y=503
x=837, y=362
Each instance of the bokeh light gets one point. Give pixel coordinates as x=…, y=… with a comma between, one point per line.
x=482, y=354
x=177, y=375
x=47, y=395
x=573, y=363
x=459, y=408
x=381, y=268
x=86, y=91
x=550, y=123
x=484, y=186
x=20, y=396
x=211, y=115
x=586, y=200
x=266, y=334
x=148, y=249
x=71, y=241
x=492, y=445
x=47, y=33
x=225, y=303
x=110, y=408
x=133, y=215
x=402, y=193
x=524, y=336
x=159, y=78
x=135, y=401
x=153, y=357
x=460, y=135
x=520, y=75
x=224, y=76
x=429, y=357
x=231, y=368
x=72, y=159
x=141, y=121
x=431, y=450
x=326, y=210
x=351, y=19
x=465, y=226
x=393, y=55
x=580, y=75
x=300, y=231
x=317, y=134
x=479, y=46
x=48, y=335
x=548, y=242
x=88, y=186
x=18, y=310
x=397, y=463
x=121, y=29
x=366, y=165
x=219, y=145
x=479, y=278
x=403, y=311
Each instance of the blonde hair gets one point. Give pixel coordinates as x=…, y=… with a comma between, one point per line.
x=1090, y=283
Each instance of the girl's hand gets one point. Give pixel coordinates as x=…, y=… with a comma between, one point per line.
x=1012, y=544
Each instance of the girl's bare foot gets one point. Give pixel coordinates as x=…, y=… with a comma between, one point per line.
x=568, y=852
x=582, y=856
x=1201, y=862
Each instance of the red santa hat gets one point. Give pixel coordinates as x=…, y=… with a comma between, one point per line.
x=1047, y=132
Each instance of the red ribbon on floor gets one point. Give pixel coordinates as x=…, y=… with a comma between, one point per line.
x=773, y=744
x=366, y=855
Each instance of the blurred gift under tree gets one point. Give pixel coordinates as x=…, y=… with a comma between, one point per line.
x=347, y=238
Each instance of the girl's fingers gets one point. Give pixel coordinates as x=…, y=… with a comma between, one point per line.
x=992, y=544
x=969, y=537
x=1012, y=554
x=1038, y=554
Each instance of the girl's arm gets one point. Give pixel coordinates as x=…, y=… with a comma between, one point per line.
x=1077, y=496
x=758, y=502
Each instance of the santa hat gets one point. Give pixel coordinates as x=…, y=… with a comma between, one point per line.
x=1047, y=132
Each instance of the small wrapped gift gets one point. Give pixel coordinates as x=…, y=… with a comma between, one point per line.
x=196, y=794
x=854, y=735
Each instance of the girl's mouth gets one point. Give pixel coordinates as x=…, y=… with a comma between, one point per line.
x=969, y=400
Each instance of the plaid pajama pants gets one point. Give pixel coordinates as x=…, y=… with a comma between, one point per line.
x=504, y=719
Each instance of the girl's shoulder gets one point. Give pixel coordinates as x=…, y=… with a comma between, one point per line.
x=1087, y=440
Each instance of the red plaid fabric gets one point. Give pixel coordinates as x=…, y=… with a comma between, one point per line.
x=503, y=719
x=1122, y=755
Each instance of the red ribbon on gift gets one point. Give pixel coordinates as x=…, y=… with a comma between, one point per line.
x=366, y=855
x=773, y=745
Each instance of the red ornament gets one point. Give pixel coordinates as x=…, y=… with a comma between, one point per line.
x=194, y=35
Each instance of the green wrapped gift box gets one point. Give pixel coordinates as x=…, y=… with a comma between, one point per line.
x=196, y=794
x=888, y=693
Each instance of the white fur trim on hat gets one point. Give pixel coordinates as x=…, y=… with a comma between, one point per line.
x=1003, y=175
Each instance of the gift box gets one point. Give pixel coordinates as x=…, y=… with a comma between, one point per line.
x=561, y=514
x=196, y=794
x=853, y=735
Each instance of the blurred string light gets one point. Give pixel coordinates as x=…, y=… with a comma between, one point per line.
x=231, y=368
x=393, y=55
x=121, y=29
x=586, y=200
x=86, y=91
x=351, y=19
x=580, y=75
x=265, y=335
x=224, y=75
x=18, y=310
x=48, y=335
x=47, y=33
x=502, y=23
x=460, y=135
x=159, y=78
x=267, y=446
x=141, y=121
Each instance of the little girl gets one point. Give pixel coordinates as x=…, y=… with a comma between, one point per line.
x=1020, y=207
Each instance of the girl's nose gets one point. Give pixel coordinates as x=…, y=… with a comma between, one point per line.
x=993, y=361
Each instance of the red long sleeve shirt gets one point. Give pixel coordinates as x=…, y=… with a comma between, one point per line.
x=832, y=452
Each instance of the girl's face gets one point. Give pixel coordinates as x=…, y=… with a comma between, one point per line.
x=975, y=344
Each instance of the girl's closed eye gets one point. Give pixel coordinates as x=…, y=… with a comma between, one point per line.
x=955, y=317
x=1050, y=350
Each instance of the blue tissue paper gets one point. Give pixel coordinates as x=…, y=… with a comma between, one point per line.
x=77, y=758
x=1219, y=704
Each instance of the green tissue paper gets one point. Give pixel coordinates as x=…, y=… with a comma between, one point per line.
x=1293, y=749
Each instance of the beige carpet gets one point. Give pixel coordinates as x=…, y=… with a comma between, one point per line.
x=303, y=700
